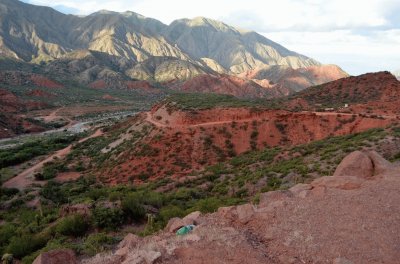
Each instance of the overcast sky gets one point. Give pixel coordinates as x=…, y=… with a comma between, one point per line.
x=358, y=35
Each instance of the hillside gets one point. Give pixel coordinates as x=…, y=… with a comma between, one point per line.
x=248, y=178
x=186, y=133
x=371, y=92
x=113, y=48
x=329, y=220
x=195, y=152
x=49, y=34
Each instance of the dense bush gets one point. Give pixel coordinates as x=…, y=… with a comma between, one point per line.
x=169, y=212
x=132, y=207
x=50, y=170
x=109, y=218
x=96, y=243
x=25, y=244
x=9, y=192
x=96, y=194
x=29, y=150
x=7, y=231
x=53, y=192
x=74, y=225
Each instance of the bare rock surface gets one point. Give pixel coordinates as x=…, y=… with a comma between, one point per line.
x=58, y=256
x=356, y=164
x=346, y=219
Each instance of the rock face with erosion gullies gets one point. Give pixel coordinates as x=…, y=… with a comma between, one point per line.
x=322, y=222
x=193, y=139
x=108, y=49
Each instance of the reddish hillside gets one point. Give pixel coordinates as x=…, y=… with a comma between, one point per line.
x=372, y=92
x=291, y=80
x=40, y=93
x=42, y=81
x=226, y=84
x=173, y=142
x=9, y=103
x=267, y=82
x=340, y=219
x=10, y=122
x=17, y=78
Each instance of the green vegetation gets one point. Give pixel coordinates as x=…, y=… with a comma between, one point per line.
x=73, y=225
x=113, y=210
x=34, y=148
x=188, y=101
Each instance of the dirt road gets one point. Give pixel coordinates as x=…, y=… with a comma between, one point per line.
x=26, y=178
x=149, y=118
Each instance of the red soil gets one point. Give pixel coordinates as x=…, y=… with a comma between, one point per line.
x=40, y=93
x=262, y=83
x=373, y=92
x=109, y=97
x=139, y=85
x=9, y=102
x=226, y=84
x=42, y=81
x=99, y=84
x=11, y=122
x=181, y=142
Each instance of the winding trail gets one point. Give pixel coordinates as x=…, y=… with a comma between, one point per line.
x=26, y=178
x=150, y=119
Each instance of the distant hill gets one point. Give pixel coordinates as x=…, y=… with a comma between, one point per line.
x=110, y=49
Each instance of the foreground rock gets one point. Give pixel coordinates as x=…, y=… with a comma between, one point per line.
x=338, y=219
x=59, y=256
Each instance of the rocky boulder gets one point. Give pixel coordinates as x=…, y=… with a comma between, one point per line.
x=58, y=256
x=342, y=182
x=175, y=223
x=364, y=164
x=380, y=164
x=356, y=164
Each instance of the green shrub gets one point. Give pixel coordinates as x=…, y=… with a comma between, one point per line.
x=9, y=192
x=208, y=205
x=169, y=212
x=109, y=218
x=96, y=243
x=132, y=207
x=74, y=225
x=96, y=194
x=53, y=192
x=7, y=231
x=25, y=244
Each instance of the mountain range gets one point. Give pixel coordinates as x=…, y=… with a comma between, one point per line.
x=116, y=47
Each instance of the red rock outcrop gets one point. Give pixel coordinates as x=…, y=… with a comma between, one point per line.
x=321, y=222
x=183, y=141
x=58, y=256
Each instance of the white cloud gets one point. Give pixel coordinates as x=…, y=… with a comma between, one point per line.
x=357, y=54
x=359, y=35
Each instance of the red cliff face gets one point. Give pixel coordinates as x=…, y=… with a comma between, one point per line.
x=180, y=142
